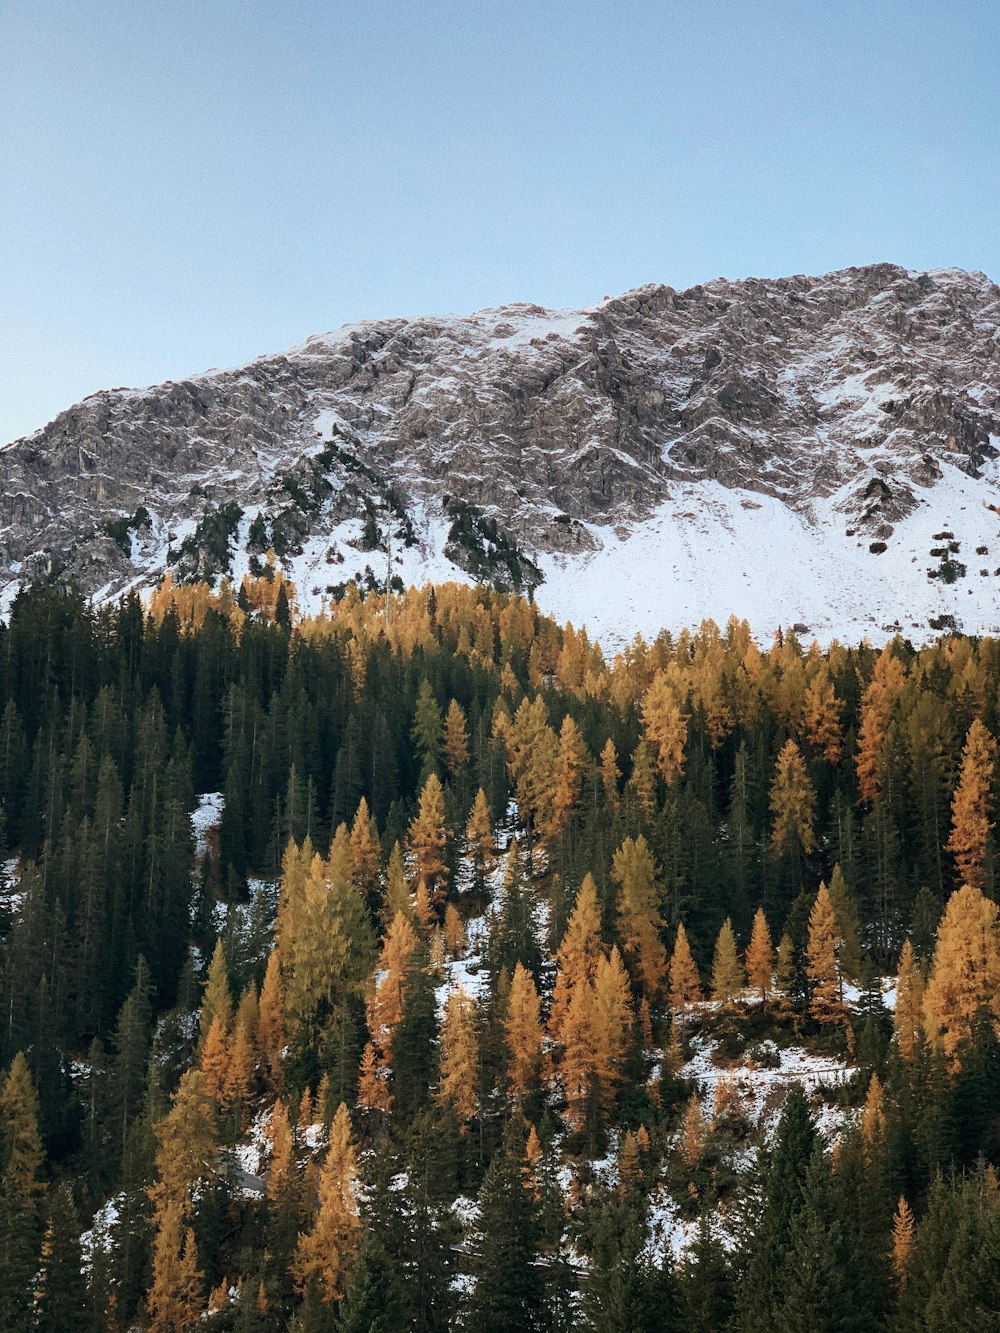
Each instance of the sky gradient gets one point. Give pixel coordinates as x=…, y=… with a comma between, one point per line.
x=192, y=184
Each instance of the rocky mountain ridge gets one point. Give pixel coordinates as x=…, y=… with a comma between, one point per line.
x=813, y=450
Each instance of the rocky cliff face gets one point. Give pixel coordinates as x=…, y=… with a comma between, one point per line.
x=682, y=446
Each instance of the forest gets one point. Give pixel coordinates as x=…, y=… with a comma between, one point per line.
x=419, y=966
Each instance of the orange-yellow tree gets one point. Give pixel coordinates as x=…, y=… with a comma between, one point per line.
x=523, y=1030
x=324, y=1254
x=760, y=956
x=970, y=805
x=427, y=837
x=459, y=1058
x=665, y=727
x=685, y=983
x=826, y=1004
x=965, y=972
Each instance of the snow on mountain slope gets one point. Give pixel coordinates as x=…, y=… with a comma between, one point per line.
x=709, y=553
x=788, y=450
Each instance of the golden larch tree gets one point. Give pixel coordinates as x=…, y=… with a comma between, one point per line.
x=571, y=765
x=642, y=780
x=971, y=805
x=324, y=1254
x=685, y=983
x=366, y=853
x=456, y=739
x=459, y=1058
x=340, y=861
x=386, y=1004
x=523, y=1030
x=217, y=999
x=665, y=727
x=479, y=837
x=186, y=1144
x=902, y=1240
x=826, y=1004
x=728, y=978
x=270, y=1023
x=610, y=773
x=873, y=1118
x=612, y=1010
x=397, y=888
x=577, y=1066
x=577, y=955
x=427, y=837
x=534, y=756
x=639, y=922
x=877, y=704
x=760, y=956
x=243, y=1056
x=693, y=1130
x=629, y=1164
x=965, y=971
x=793, y=804
x=215, y=1060
x=822, y=717
x=373, y=1082
x=282, y=1171
x=175, y=1300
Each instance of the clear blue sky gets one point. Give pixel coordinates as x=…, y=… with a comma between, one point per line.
x=192, y=183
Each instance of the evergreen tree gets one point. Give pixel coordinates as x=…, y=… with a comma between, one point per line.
x=507, y=1290
x=60, y=1298
x=761, y=1295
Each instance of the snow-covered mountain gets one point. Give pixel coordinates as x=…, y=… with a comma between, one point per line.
x=812, y=451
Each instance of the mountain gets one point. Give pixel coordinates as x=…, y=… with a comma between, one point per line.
x=820, y=452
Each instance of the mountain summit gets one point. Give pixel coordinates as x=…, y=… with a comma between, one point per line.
x=811, y=451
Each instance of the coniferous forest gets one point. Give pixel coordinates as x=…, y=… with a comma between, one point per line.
x=420, y=967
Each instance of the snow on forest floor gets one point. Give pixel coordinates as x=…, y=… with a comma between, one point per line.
x=764, y=1076
x=205, y=819
x=11, y=897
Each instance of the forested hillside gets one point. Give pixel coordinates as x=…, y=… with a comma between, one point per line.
x=415, y=967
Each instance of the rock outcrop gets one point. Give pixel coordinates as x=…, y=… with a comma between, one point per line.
x=516, y=434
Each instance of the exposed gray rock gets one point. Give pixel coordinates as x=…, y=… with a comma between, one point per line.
x=858, y=385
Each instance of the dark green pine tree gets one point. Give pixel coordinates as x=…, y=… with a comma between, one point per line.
x=624, y=1292
x=932, y=1246
x=706, y=1283
x=508, y=1290
x=427, y=731
x=373, y=1301
x=760, y=1295
x=133, y=1033
x=402, y=1277
x=967, y=1295
x=976, y=1103
x=60, y=1290
x=815, y=1283
x=414, y=1054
